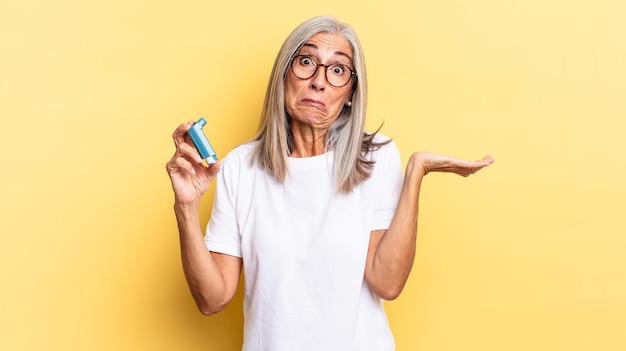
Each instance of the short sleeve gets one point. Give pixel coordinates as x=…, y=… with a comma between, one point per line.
x=385, y=185
x=222, y=233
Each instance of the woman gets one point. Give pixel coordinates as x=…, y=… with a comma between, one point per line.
x=317, y=210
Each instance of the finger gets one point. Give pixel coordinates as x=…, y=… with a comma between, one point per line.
x=477, y=166
x=189, y=152
x=180, y=133
x=487, y=160
x=183, y=164
x=214, y=168
x=179, y=164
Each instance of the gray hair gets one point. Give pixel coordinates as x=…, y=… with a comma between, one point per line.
x=346, y=137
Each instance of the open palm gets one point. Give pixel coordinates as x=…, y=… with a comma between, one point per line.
x=432, y=162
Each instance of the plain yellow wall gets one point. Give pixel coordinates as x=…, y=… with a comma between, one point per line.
x=527, y=255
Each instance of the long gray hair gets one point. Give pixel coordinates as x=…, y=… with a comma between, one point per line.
x=346, y=137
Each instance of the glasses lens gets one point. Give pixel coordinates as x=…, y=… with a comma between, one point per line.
x=337, y=75
x=303, y=67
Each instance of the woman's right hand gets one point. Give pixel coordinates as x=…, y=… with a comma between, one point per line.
x=189, y=176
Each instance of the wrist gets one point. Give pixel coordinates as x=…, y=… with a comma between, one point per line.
x=416, y=166
x=186, y=211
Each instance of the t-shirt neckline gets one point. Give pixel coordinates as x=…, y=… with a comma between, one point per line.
x=310, y=162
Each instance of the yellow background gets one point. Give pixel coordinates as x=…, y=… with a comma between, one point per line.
x=527, y=255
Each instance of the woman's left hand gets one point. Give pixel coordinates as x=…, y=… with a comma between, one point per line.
x=431, y=162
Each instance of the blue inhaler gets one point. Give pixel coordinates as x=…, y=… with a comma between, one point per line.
x=201, y=142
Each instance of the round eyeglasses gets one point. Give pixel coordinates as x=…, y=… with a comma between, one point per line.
x=337, y=74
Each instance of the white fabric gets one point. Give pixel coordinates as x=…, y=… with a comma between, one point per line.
x=304, y=248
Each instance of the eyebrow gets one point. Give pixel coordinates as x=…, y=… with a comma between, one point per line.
x=341, y=53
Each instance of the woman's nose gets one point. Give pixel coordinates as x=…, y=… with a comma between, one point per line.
x=318, y=81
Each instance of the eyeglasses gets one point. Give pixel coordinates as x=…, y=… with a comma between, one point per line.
x=337, y=74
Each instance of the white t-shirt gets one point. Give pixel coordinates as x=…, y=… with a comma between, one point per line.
x=304, y=249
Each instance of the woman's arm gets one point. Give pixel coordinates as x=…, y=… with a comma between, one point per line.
x=392, y=252
x=212, y=277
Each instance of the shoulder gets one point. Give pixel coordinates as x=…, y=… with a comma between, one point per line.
x=383, y=147
x=236, y=170
x=237, y=163
x=385, y=156
x=239, y=154
x=381, y=138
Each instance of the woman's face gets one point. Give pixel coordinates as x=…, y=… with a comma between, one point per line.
x=314, y=101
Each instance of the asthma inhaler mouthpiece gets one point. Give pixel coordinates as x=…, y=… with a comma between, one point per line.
x=201, y=142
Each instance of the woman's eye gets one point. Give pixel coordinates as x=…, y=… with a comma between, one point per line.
x=338, y=70
x=306, y=61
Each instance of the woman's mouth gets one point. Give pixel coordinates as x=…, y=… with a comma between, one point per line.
x=315, y=103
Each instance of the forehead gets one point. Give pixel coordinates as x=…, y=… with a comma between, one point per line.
x=329, y=44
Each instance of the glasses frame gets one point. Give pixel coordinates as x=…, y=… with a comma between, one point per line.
x=326, y=67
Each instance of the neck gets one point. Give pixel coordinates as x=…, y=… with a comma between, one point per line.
x=307, y=141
